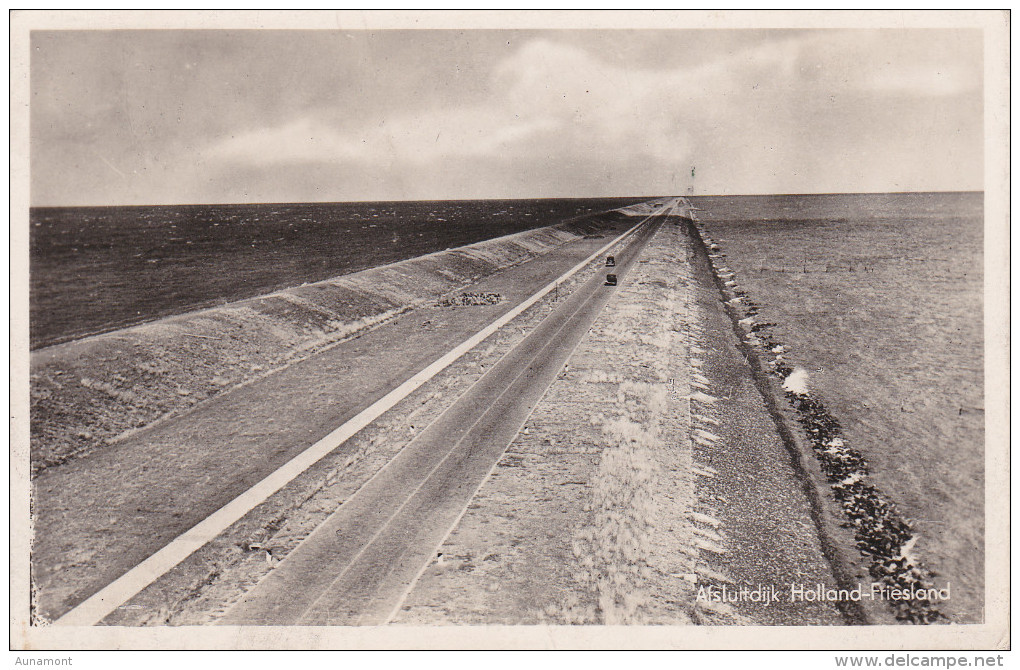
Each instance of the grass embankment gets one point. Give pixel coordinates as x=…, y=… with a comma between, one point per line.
x=89, y=393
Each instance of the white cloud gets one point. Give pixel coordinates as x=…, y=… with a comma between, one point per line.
x=545, y=91
x=414, y=138
x=754, y=114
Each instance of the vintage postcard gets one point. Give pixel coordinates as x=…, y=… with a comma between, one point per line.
x=512, y=330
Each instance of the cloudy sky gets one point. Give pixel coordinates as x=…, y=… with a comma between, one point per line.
x=173, y=116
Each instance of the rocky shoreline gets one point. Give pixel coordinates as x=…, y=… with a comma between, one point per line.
x=883, y=536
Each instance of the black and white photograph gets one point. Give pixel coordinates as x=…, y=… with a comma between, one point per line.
x=509, y=330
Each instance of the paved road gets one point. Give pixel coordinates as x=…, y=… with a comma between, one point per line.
x=356, y=568
x=95, y=518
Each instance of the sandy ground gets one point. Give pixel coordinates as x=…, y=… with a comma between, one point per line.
x=626, y=497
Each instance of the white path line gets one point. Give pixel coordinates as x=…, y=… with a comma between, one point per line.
x=94, y=609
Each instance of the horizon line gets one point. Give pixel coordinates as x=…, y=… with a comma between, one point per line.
x=599, y=197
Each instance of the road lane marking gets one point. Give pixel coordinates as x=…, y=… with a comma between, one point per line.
x=105, y=601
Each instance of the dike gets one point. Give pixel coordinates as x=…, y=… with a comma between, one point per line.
x=92, y=392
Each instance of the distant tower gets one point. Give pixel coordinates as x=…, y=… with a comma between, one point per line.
x=690, y=187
